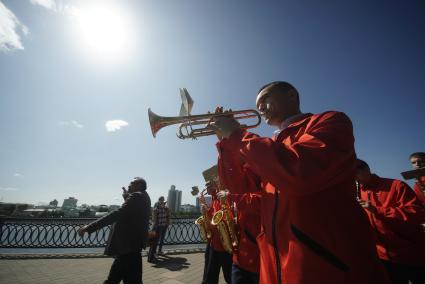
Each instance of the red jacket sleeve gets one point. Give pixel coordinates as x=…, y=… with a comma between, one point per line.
x=406, y=209
x=234, y=174
x=322, y=156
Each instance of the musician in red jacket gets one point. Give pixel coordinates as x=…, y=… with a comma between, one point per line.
x=313, y=229
x=246, y=260
x=218, y=258
x=395, y=215
x=417, y=160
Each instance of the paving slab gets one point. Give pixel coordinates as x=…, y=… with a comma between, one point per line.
x=169, y=269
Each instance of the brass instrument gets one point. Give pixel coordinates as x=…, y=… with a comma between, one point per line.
x=187, y=121
x=186, y=129
x=224, y=221
x=204, y=220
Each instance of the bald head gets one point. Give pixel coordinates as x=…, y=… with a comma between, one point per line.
x=282, y=87
x=278, y=101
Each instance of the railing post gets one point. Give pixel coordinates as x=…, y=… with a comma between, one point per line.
x=1, y=227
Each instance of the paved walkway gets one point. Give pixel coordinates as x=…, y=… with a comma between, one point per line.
x=170, y=269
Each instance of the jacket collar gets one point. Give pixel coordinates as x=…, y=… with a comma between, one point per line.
x=292, y=121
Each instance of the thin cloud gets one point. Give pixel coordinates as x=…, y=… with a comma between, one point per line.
x=71, y=123
x=8, y=188
x=114, y=125
x=10, y=28
x=17, y=175
x=60, y=7
x=48, y=4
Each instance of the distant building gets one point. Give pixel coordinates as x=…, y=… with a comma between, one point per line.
x=69, y=203
x=113, y=207
x=53, y=203
x=174, y=199
x=100, y=214
x=188, y=208
x=13, y=209
x=34, y=212
x=103, y=208
x=71, y=212
x=208, y=200
x=86, y=212
x=198, y=204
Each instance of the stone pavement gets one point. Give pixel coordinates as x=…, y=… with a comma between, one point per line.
x=170, y=269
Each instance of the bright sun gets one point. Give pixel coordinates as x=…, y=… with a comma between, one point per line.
x=104, y=29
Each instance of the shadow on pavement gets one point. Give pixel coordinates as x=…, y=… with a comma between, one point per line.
x=171, y=263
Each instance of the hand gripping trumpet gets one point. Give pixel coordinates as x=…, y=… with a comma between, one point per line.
x=194, y=126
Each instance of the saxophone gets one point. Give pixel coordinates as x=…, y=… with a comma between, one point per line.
x=204, y=221
x=225, y=224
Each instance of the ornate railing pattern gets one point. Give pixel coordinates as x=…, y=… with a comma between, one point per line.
x=63, y=233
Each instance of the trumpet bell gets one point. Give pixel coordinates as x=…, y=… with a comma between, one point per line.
x=157, y=122
x=153, y=120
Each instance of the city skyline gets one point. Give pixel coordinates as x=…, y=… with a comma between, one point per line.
x=53, y=201
x=77, y=78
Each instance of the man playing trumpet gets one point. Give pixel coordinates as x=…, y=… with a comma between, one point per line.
x=313, y=229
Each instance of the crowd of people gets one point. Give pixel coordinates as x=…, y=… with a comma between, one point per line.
x=303, y=207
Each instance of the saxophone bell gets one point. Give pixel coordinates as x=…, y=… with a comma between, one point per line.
x=218, y=220
x=225, y=224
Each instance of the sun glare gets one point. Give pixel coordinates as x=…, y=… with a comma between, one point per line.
x=104, y=30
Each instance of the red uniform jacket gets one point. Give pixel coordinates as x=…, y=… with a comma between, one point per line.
x=313, y=229
x=248, y=226
x=419, y=192
x=397, y=223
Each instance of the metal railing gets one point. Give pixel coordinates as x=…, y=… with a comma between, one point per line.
x=63, y=233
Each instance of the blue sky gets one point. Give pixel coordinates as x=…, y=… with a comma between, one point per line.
x=64, y=74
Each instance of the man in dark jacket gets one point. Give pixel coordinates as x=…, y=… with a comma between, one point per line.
x=128, y=235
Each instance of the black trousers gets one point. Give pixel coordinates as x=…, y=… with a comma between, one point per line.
x=126, y=268
x=217, y=260
x=206, y=260
x=242, y=276
x=403, y=273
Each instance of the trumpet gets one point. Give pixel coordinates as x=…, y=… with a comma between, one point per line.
x=187, y=123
